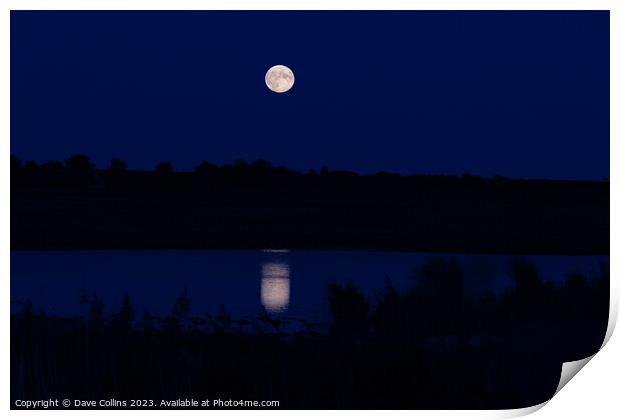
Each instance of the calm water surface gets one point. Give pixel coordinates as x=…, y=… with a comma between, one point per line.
x=285, y=283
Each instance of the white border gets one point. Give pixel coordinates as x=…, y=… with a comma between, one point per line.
x=597, y=386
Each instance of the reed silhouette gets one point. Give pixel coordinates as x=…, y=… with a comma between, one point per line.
x=430, y=346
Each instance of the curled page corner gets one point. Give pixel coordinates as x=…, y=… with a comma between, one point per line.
x=613, y=314
x=518, y=412
x=569, y=370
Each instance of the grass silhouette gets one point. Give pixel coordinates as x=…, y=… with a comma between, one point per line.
x=428, y=347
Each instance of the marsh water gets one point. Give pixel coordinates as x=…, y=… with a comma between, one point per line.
x=286, y=283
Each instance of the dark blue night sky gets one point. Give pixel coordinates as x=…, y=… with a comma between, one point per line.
x=517, y=94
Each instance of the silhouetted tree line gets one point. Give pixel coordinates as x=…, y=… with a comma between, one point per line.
x=74, y=205
x=432, y=346
x=79, y=170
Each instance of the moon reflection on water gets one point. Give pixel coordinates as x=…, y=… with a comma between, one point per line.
x=275, y=287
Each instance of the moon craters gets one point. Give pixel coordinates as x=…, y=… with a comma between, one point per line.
x=279, y=79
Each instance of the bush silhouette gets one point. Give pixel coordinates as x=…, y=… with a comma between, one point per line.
x=53, y=167
x=346, y=303
x=124, y=319
x=181, y=307
x=528, y=286
x=261, y=165
x=117, y=167
x=439, y=295
x=31, y=166
x=206, y=168
x=80, y=169
x=441, y=279
x=16, y=164
x=164, y=168
x=79, y=165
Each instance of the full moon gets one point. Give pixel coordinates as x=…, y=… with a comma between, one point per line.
x=279, y=79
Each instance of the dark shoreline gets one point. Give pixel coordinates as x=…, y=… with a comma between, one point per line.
x=440, y=253
x=240, y=209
